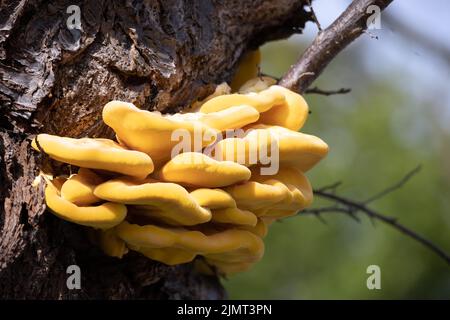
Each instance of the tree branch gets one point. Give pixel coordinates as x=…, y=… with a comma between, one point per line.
x=351, y=207
x=317, y=90
x=395, y=186
x=313, y=15
x=328, y=43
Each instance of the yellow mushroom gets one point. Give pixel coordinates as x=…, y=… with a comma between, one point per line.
x=168, y=202
x=278, y=106
x=226, y=245
x=104, y=216
x=234, y=216
x=79, y=188
x=291, y=114
x=232, y=118
x=101, y=154
x=297, y=149
x=294, y=148
x=223, y=207
x=280, y=195
x=248, y=68
x=197, y=169
x=229, y=204
x=221, y=89
x=213, y=198
x=169, y=256
x=253, y=195
x=151, y=132
x=111, y=244
x=229, y=268
x=260, y=229
x=261, y=101
x=257, y=84
x=299, y=196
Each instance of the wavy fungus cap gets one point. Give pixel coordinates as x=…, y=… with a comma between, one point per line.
x=90, y=153
x=297, y=149
x=229, y=245
x=169, y=202
x=150, y=132
x=197, y=169
x=79, y=188
x=104, y=216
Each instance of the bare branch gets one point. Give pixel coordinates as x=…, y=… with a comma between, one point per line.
x=328, y=43
x=317, y=90
x=318, y=211
x=395, y=186
x=332, y=186
x=348, y=205
x=313, y=15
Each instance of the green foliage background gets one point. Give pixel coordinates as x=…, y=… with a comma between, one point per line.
x=376, y=133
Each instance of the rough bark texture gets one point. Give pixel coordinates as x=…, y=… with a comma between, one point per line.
x=161, y=55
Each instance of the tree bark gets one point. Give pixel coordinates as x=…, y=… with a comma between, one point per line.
x=160, y=55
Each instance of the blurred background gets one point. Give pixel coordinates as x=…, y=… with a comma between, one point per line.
x=396, y=117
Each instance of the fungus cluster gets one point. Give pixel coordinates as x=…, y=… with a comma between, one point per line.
x=172, y=207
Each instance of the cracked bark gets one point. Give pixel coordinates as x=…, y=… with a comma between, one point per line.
x=160, y=55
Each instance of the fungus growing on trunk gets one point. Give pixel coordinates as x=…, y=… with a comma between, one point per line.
x=218, y=204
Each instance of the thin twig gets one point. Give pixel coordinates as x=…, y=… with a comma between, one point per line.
x=332, y=186
x=328, y=43
x=395, y=186
x=358, y=206
x=313, y=15
x=318, y=211
x=316, y=90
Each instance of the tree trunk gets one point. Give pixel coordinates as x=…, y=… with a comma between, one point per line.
x=160, y=55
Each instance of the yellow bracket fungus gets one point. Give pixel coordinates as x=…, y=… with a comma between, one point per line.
x=207, y=197
x=261, y=101
x=111, y=244
x=257, y=84
x=213, y=198
x=197, y=169
x=260, y=229
x=169, y=256
x=294, y=148
x=230, y=245
x=291, y=114
x=234, y=216
x=101, y=154
x=221, y=89
x=298, y=197
x=223, y=206
x=150, y=132
x=104, y=216
x=79, y=188
x=248, y=69
x=232, y=118
x=227, y=119
x=278, y=106
x=253, y=195
x=169, y=202
x=229, y=268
